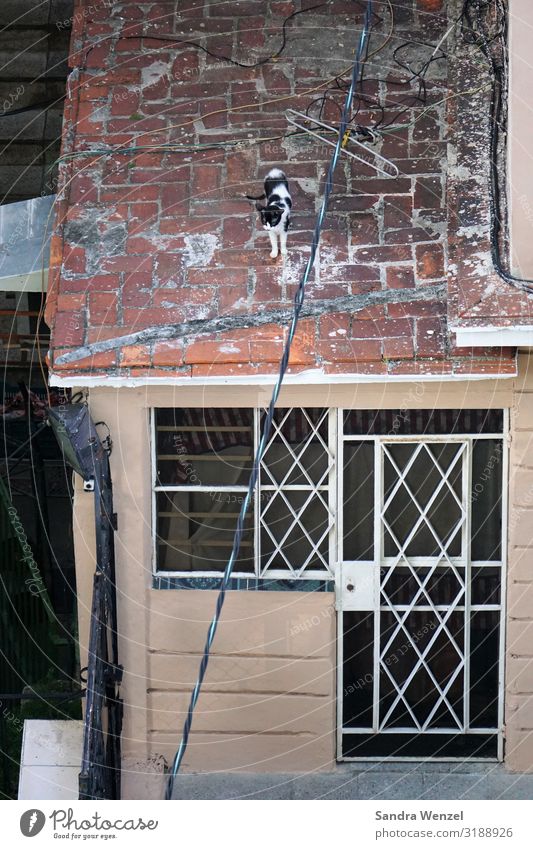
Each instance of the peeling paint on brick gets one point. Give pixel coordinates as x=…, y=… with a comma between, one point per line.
x=153, y=73
x=97, y=236
x=200, y=248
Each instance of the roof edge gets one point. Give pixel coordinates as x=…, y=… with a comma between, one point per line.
x=305, y=378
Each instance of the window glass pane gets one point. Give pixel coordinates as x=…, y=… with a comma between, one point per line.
x=485, y=652
x=294, y=531
x=453, y=746
x=486, y=585
x=204, y=447
x=423, y=483
x=358, y=519
x=358, y=669
x=195, y=531
x=410, y=422
x=487, y=499
x=297, y=452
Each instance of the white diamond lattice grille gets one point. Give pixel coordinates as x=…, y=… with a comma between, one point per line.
x=296, y=519
x=418, y=484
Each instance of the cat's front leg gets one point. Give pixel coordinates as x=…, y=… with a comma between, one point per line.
x=283, y=242
x=274, y=244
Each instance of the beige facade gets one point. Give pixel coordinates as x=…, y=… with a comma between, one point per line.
x=269, y=701
x=519, y=646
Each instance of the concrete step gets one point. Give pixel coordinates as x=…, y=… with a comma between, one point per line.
x=372, y=781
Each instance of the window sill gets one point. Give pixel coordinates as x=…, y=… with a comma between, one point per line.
x=197, y=582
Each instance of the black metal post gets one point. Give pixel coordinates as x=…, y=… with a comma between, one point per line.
x=101, y=758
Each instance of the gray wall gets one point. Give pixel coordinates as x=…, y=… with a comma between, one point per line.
x=34, y=41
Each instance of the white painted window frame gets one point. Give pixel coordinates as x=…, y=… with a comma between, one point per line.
x=330, y=488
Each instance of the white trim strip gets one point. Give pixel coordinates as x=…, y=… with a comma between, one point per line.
x=303, y=378
x=494, y=336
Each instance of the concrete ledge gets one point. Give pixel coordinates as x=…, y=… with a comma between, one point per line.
x=50, y=759
x=374, y=781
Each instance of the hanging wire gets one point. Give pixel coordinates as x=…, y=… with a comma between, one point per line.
x=267, y=424
x=337, y=80
x=155, y=36
x=480, y=18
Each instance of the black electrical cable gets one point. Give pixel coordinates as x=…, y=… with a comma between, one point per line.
x=199, y=46
x=340, y=83
x=366, y=100
x=22, y=109
x=415, y=98
x=475, y=33
x=269, y=415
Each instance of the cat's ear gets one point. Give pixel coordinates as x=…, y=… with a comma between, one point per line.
x=259, y=207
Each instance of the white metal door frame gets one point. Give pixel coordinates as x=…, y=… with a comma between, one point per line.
x=379, y=441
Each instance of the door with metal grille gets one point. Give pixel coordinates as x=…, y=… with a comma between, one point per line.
x=419, y=591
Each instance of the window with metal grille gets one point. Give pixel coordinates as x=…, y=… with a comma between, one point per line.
x=202, y=463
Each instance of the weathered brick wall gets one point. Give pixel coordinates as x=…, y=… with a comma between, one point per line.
x=165, y=237
x=477, y=294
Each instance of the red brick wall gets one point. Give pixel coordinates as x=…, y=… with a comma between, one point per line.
x=161, y=237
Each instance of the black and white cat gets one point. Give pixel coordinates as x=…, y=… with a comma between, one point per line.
x=276, y=215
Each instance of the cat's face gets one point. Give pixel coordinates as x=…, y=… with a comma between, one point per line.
x=270, y=216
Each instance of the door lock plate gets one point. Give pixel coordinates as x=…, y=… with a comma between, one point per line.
x=356, y=587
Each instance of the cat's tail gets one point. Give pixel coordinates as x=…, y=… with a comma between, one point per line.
x=260, y=197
